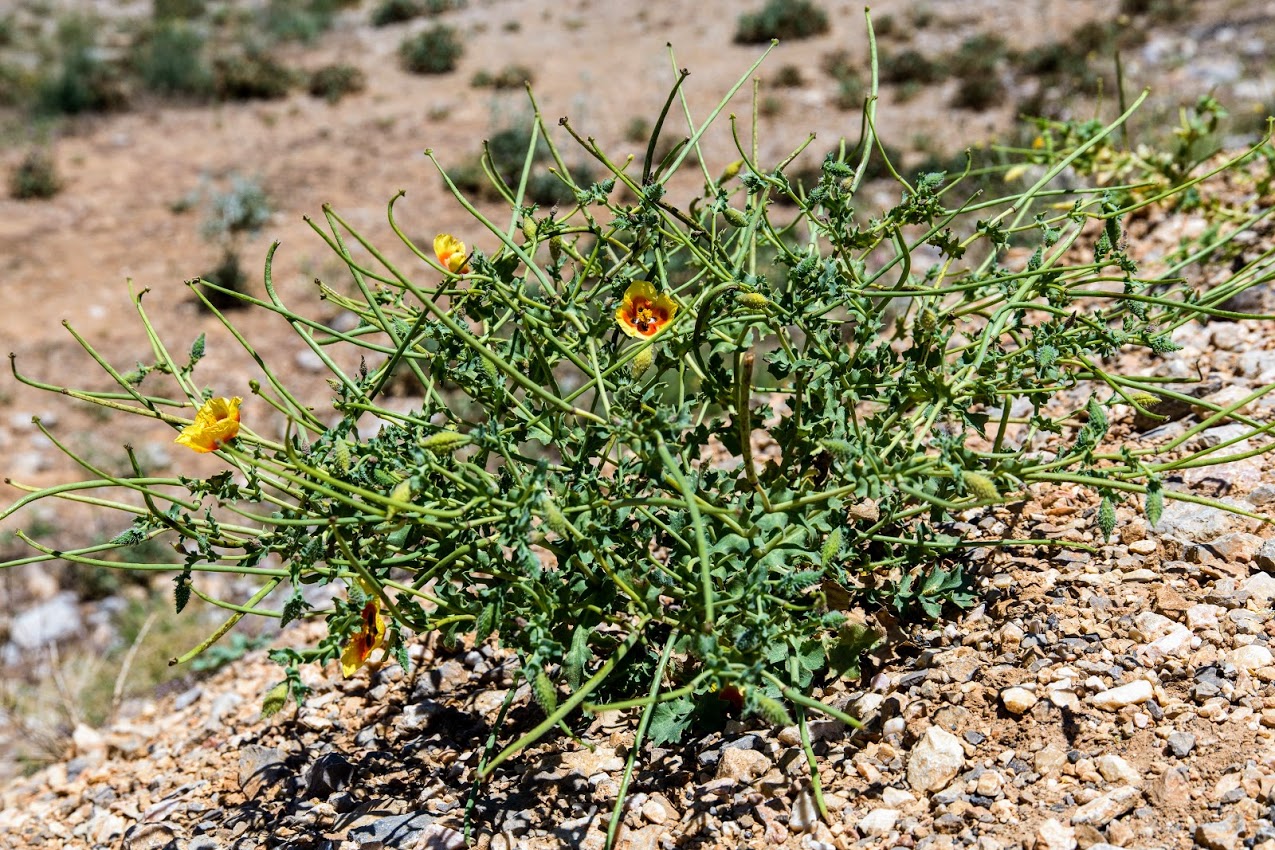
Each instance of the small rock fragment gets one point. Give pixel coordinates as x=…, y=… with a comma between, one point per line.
x=1131, y=694
x=878, y=822
x=1251, y=657
x=1018, y=700
x=1102, y=810
x=742, y=765
x=935, y=760
x=1115, y=769
x=1221, y=834
x=1053, y=835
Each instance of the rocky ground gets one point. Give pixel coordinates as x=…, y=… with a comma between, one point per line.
x=1123, y=697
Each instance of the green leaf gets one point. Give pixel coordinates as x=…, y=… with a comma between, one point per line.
x=669, y=721
x=293, y=608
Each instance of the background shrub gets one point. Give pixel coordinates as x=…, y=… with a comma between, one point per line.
x=171, y=60
x=251, y=76
x=167, y=10
x=781, y=19
x=396, y=11
x=333, y=82
x=78, y=80
x=433, y=51
x=35, y=177
x=297, y=20
x=508, y=77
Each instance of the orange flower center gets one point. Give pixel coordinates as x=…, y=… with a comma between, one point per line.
x=646, y=318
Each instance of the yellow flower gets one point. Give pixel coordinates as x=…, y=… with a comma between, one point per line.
x=451, y=253
x=366, y=641
x=216, y=424
x=644, y=312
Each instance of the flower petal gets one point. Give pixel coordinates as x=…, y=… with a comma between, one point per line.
x=216, y=423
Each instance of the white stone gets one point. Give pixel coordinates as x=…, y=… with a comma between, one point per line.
x=1131, y=694
x=1101, y=811
x=1261, y=589
x=1018, y=700
x=935, y=760
x=1053, y=835
x=1175, y=642
x=897, y=798
x=879, y=822
x=1202, y=617
x=1251, y=657
x=1115, y=769
x=1151, y=625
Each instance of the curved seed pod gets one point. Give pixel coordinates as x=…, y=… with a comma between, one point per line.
x=642, y=361
x=443, y=442
x=980, y=486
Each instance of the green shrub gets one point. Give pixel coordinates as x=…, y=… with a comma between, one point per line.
x=396, y=11
x=979, y=54
x=16, y=84
x=508, y=77
x=243, y=208
x=389, y=12
x=788, y=77
x=782, y=19
x=181, y=10
x=229, y=275
x=251, y=76
x=333, y=82
x=980, y=92
x=170, y=59
x=679, y=445
x=297, y=20
x=35, y=177
x=433, y=51
x=77, y=80
x=911, y=66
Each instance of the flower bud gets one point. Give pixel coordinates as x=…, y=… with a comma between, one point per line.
x=731, y=170
x=753, y=300
x=735, y=218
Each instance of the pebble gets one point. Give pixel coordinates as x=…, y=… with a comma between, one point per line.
x=1135, y=692
x=878, y=822
x=1181, y=743
x=804, y=814
x=742, y=765
x=1018, y=700
x=1146, y=546
x=1102, y=810
x=1251, y=657
x=1115, y=769
x=1220, y=835
x=1054, y=835
x=935, y=760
